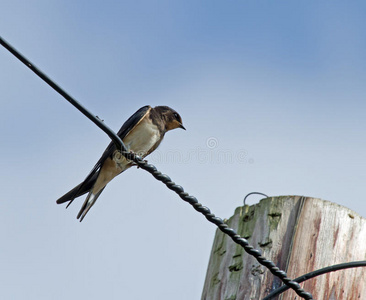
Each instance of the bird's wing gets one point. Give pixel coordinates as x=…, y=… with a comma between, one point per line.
x=127, y=126
x=79, y=190
x=89, y=181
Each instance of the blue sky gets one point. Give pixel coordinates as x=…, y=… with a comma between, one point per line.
x=272, y=94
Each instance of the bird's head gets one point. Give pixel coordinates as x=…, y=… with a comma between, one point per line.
x=171, y=117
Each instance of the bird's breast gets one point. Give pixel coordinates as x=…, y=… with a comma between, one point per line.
x=143, y=138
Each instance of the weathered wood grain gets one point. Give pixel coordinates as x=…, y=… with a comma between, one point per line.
x=299, y=234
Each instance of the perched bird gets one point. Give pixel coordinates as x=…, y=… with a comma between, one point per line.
x=141, y=133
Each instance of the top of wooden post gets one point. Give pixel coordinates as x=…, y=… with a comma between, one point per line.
x=300, y=235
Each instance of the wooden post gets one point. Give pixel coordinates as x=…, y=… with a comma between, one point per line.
x=300, y=235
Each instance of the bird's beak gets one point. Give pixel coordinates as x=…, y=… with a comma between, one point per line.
x=181, y=126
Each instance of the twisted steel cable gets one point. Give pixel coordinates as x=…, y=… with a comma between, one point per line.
x=165, y=179
x=143, y=164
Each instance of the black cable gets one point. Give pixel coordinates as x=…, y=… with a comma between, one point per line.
x=313, y=274
x=253, y=193
x=167, y=181
x=119, y=143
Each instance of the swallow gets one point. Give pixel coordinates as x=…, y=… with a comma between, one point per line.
x=142, y=133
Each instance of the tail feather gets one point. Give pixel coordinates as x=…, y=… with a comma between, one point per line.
x=78, y=191
x=75, y=192
x=88, y=203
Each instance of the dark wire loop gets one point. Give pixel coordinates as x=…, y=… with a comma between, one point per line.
x=354, y=264
x=165, y=179
x=253, y=193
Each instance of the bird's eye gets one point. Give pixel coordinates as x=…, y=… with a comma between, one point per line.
x=176, y=116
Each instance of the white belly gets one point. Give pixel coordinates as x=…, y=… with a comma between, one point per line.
x=142, y=138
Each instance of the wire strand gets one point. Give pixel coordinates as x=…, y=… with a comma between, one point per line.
x=333, y=268
x=115, y=138
x=253, y=193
